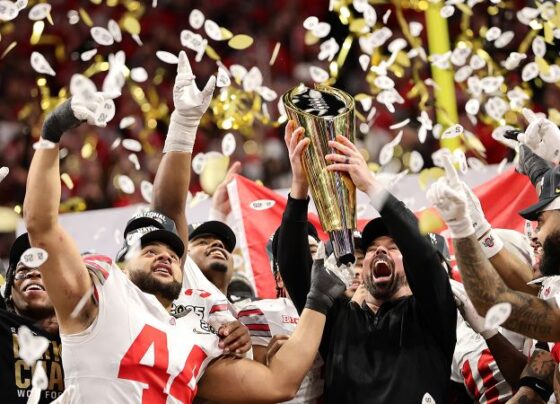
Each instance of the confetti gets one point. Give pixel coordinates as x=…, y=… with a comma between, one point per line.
x=40, y=64
x=125, y=184
x=4, y=171
x=497, y=315
x=460, y=158
x=87, y=55
x=459, y=55
x=538, y=46
x=364, y=61
x=82, y=303
x=198, y=163
x=267, y=94
x=321, y=30
x=127, y=122
x=415, y=28
x=318, y=75
x=472, y=106
x=428, y=399
x=21, y=4
x=384, y=82
x=104, y=112
x=223, y=79
x=102, y=36
x=310, y=22
x=213, y=30
x=253, y=79
x=496, y=107
x=399, y=125
x=132, y=145
x=328, y=50
x=504, y=39
x=39, y=11
x=491, y=84
x=238, y=72
x=139, y=74
x=146, y=190
x=502, y=165
x=67, y=180
x=167, y=57
x=274, y=54
x=447, y=11
x=240, y=42
x=8, y=10
x=386, y=16
x=73, y=17
x=82, y=87
x=228, y=144
x=493, y=33
x=34, y=257
x=463, y=73
x=416, y=162
x=133, y=158
x=452, y=132
x=477, y=62
x=31, y=347
x=196, y=19
x=386, y=153
x=115, y=30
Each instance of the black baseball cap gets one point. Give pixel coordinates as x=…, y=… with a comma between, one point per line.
x=20, y=245
x=149, y=227
x=373, y=229
x=549, y=190
x=214, y=228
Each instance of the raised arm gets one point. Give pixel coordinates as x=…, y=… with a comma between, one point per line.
x=425, y=274
x=530, y=315
x=293, y=256
x=171, y=184
x=64, y=274
x=244, y=381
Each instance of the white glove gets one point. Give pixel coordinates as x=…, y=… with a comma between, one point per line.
x=190, y=104
x=97, y=110
x=468, y=311
x=543, y=138
x=490, y=243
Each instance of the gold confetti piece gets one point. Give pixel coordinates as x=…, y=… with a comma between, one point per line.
x=8, y=49
x=130, y=24
x=240, y=42
x=274, y=54
x=225, y=34
x=211, y=53
x=18, y=209
x=38, y=28
x=85, y=17
x=214, y=172
x=429, y=222
x=428, y=176
x=67, y=180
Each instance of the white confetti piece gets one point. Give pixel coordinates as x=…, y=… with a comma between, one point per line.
x=360, y=5
x=513, y=60
x=310, y=22
x=253, y=79
x=8, y=10
x=415, y=28
x=115, y=30
x=502, y=165
x=82, y=87
x=198, y=163
x=137, y=39
x=223, y=79
x=416, y=162
x=474, y=86
x=196, y=19
x=104, y=112
x=167, y=57
x=366, y=103
x=321, y=30
x=40, y=64
x=460, y=158
x=21, y=4
x=459, y=55
x=73, y=17
x=87, y=55
x=475, y=164
x=428, y=399
x=139, y=74
x=504, y=39
x=81, y=303
x=102, y=36
x=463, y=73
x=34, y=257
x=386, y=154
x=400, y=124
x=328, y=50
x=491, y=84
x=318, y=75
x=125, y=184
x=538, y=46
x=496, y=107
x=31, y=347
x=146, y=190
x=527, y=14
x=447, y=11
x=39, y=11
x=370, y=16
x=497, y=315
x=132, y=145
x=238, y=72
x=364, y=61
x=477, y=62
x=127, y=122
x=384, y=82
x=4, y=171
x=472, y=106
x=133, y=158
x=267, y=94
x=441, y=61
x=228, y=144
x=386, y=16
x=213, y=30
x=436, y=131
x=452, y=132
x=493, y=33
x=552, y=75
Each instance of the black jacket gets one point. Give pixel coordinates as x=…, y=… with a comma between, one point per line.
x=398, y=354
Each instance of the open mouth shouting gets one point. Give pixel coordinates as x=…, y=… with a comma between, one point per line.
x=383, y=269
x=162, y=268
x=33, y=287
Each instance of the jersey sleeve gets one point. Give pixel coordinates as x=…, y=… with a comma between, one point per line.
x=99, y=268
x=255, y=320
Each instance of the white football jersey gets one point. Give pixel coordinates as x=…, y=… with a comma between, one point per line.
x=474, y=366
x=135, y=351
x=201, y=295
x=270, y=317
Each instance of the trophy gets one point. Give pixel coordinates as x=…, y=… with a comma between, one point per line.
x=326, y=112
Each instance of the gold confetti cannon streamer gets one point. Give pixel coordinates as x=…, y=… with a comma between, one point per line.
x=324, y=113
x=438, y=42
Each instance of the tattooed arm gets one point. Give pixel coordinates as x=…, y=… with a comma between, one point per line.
x=530, y=315
x=541, y=367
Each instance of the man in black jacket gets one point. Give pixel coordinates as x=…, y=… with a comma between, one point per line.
x=397, y=347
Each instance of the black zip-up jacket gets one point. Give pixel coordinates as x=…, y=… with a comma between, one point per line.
x=398, y=354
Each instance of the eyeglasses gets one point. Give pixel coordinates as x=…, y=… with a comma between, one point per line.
x=25, y=273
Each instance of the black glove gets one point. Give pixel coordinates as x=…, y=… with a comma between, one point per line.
x=59, y=121
x=531, y=165
x=325, y=288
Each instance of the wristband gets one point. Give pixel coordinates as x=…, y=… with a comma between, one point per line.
x=491, y=244
x=181, y=134
x=538, y=386
x=59, y=121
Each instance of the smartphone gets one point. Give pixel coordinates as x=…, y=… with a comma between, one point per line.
x=512, y=134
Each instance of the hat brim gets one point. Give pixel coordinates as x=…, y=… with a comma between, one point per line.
x=166, y=237
x=532, y=212
x=217, y=229
x=374, y=229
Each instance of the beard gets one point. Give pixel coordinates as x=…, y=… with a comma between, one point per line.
x=385, y=292
x=550, y=261
x=218, y=266
x=149, y=284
